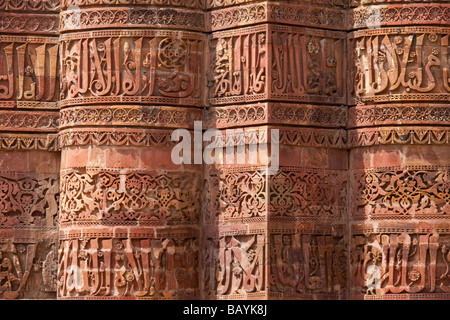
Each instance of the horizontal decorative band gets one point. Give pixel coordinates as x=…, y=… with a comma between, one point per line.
x=23, y=141
x=114, y=195
x=214, y=4
x=29, y=200
x=29, y=121
x=292, y=14
x=193, y=4
x=117, y=137
x=399, y=15
x=31, y=5
x=132, y=67
x=419, y=192
x=139, y=17
x=399, y=136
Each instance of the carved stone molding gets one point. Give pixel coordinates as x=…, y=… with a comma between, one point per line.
x=194, y=4
x=29, y=23
x=398, y=135
x=273, y=62
x=278, y=12
x=132, y=66
x=22, y=141
x=419, y=192
x=108, y=196
x=327, y=138
x=399, y=114
x=29, y=121
x=118, y=137
x=296, y=136
x=355, y=3
x=138, y=17
x=213, y=4
x=399, y=64
x=276, y=113
x=399, y=15
x=30, y=5
x=141, y=116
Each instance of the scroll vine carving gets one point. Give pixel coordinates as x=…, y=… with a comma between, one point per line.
x=147, y=197
x=150, y=67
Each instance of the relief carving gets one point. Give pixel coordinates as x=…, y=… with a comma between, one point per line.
x=395, y=263
x=151, y=67
x=128, y=267
x=420, y=192
x=234, y=266
x=144, y=197
x=28, y=71
x=308, y=264
x=411, y=64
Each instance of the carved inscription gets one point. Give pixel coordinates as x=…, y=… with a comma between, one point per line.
x=151, y=67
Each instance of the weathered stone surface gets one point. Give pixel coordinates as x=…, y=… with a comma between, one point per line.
x=92, y=205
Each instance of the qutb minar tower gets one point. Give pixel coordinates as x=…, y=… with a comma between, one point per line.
x=93, y=205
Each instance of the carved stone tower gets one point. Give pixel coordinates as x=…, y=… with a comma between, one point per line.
x=351, y=96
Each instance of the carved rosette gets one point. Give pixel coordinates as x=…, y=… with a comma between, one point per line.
x=132, y=17
x=188, y=4
x=301, y=14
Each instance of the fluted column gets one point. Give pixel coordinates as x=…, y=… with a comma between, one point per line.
x=131, y=74
x=277, y=67
x=29, y=161
x=399, y=150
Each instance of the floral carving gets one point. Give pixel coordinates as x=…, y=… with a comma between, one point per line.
x=147, y=197
x=305, y=192
x=142, y=268
x=395, y=263
x=28, y=201
x=411, y=192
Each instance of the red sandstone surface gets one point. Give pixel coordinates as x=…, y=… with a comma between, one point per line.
x=92, y=206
